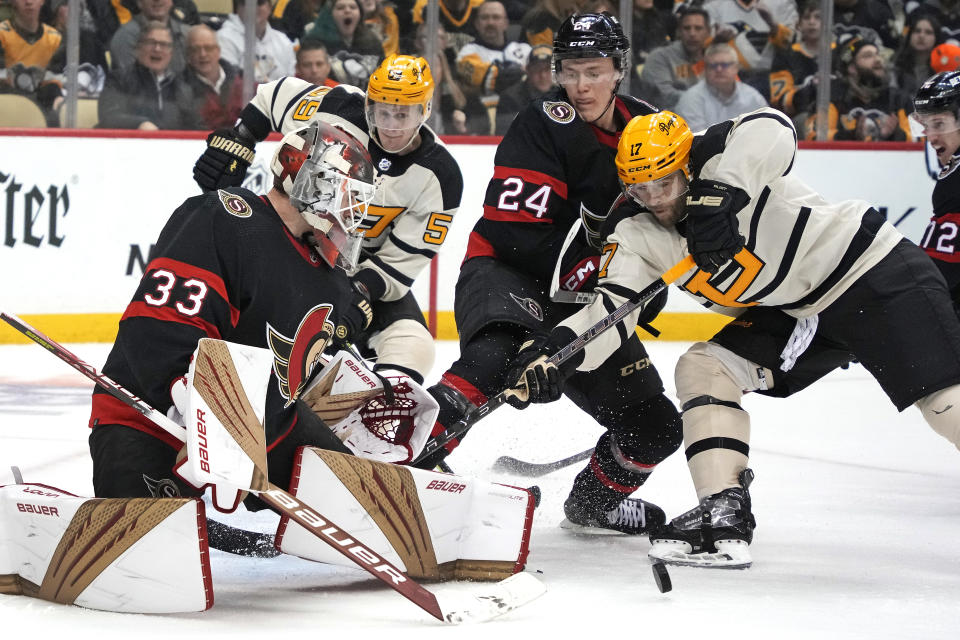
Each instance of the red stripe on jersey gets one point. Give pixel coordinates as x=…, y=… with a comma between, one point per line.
x=933, y=238
x=612, y=139
x=943, y=257
x=478, y=246
x=520, y=215
x=558, y=186
x=186, y=271
x=470, y=392
x=109, y=410
x=166, y=314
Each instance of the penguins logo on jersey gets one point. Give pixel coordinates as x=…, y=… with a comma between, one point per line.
x=235, y=205
x=559, y=112
x=295, y=358
x=530, y=306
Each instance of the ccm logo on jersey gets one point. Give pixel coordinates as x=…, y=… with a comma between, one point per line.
x=38, y=509
x=202, y=441
x=443, y=485
x=706, y=201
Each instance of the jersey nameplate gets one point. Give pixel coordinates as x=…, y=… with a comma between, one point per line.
x=559, y=112
x=235, y=205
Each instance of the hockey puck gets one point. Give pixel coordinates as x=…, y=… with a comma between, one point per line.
x=662, y=577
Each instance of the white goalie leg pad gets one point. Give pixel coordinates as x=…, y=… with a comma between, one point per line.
x=130, y=555
x=433, y=525
x=213, y=457
x=708, y=370
x=407, y=344
x=941, y=410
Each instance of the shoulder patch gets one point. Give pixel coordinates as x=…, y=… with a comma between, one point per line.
x=560, y=112
x=235, y=205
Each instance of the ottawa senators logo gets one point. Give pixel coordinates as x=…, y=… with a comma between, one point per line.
x=530, y=306
x=560, y=112
x=235, y=205
x=294, y=359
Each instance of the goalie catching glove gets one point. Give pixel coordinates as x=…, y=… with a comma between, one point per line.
x=712, y=229
x=533, y=378
x=226, y=160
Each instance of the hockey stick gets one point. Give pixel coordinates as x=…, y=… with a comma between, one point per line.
x=465, y=423
x=535, y=470
x=500, y=598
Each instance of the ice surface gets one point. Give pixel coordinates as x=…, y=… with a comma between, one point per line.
x=858, y=511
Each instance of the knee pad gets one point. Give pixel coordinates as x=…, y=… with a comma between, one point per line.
x=941, y=410
x=405, y=345
x=716, y=430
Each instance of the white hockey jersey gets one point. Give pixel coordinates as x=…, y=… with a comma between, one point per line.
x=802, y=252
x=419, y=195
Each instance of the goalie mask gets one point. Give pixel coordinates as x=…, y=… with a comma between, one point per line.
x=329, y=177
x=399, y=100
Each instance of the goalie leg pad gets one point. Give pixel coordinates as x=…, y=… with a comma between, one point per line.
x=131, y=555
x=436, y=526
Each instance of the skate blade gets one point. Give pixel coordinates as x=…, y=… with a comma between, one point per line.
x=587, y=530
x=730, y=554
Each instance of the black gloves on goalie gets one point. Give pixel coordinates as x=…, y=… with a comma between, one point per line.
x=713, y=234
x=354, y=318
x=226, y=160
x=532, y=378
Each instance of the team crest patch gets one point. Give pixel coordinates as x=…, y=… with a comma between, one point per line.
x=235, y=205
x=559, y=112
x=384, y=164
x=530, y=306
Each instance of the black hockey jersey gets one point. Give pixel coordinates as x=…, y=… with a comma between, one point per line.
x=225, y=266
x=550, y=169
x=940, y=239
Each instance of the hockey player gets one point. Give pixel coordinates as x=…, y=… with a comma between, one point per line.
x=254, y=270
x=408, y=220
x=812, y=284
x=937, y=117
x=554, y=168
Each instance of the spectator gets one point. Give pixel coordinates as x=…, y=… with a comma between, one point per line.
x=313, y=64
x=355, y=51
x=123, y=45
x=541, y=22
x=490, y=65
x=863, y=104
x=795, y=69
x=720, y=95
x=756, y=30
x=456, y=16
x=538, y=80
x=148, y=95
x=674, y=68
x=92, y=50
x=381, y=19
x=217, y=85
x=651, y=29
x=911, y=64
x=273, y=56
x=32, y=56
x=872, y=14
x=292, y=17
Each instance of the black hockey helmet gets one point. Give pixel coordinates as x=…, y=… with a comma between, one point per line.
x=590, y=35
x=940, y=92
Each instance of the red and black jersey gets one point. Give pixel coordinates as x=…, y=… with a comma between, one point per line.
x=225, y=266
x=940, y=240
x=550, y=168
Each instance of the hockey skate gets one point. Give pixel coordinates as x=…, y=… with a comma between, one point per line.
x=630, y=516
x=714, y=534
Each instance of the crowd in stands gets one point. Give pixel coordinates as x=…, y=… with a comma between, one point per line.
x=175, y=64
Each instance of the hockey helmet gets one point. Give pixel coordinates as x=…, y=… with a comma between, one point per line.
x=590, y=35
x=651, y=149
x=937, y=97
x=399, y=100
x=329, y=177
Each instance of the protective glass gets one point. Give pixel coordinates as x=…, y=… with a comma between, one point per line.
x=566, y=77
x=395, y=119
x=923, y=125
x=657, y=192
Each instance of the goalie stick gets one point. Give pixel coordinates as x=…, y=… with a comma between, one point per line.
x=498, y=598
x=460, y=428
x=534, y=469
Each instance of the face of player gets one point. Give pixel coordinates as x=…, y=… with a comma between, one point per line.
x=589, y=83
x=395, y=124
x=313, y=65
x=662, y=197
x=942, y=132
x=155, y=50
x=922, y=37
x=346, y=15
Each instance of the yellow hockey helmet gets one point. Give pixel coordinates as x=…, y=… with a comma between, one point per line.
x=402, y=79
x=652, y=147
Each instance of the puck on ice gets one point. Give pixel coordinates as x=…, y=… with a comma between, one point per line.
x=662, y=577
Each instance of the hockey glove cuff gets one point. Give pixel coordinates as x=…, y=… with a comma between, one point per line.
x=226, y=160
x=356, y=317
x=532, y=378
x=712, y=229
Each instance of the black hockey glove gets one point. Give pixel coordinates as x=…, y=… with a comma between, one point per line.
x=713, y=234
x=533, y=379
x=226, y=160
x=356, y=317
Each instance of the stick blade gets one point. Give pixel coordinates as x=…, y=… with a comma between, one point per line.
x=496, y=600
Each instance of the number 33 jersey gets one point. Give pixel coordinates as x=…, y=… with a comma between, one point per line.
x=419, y=193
